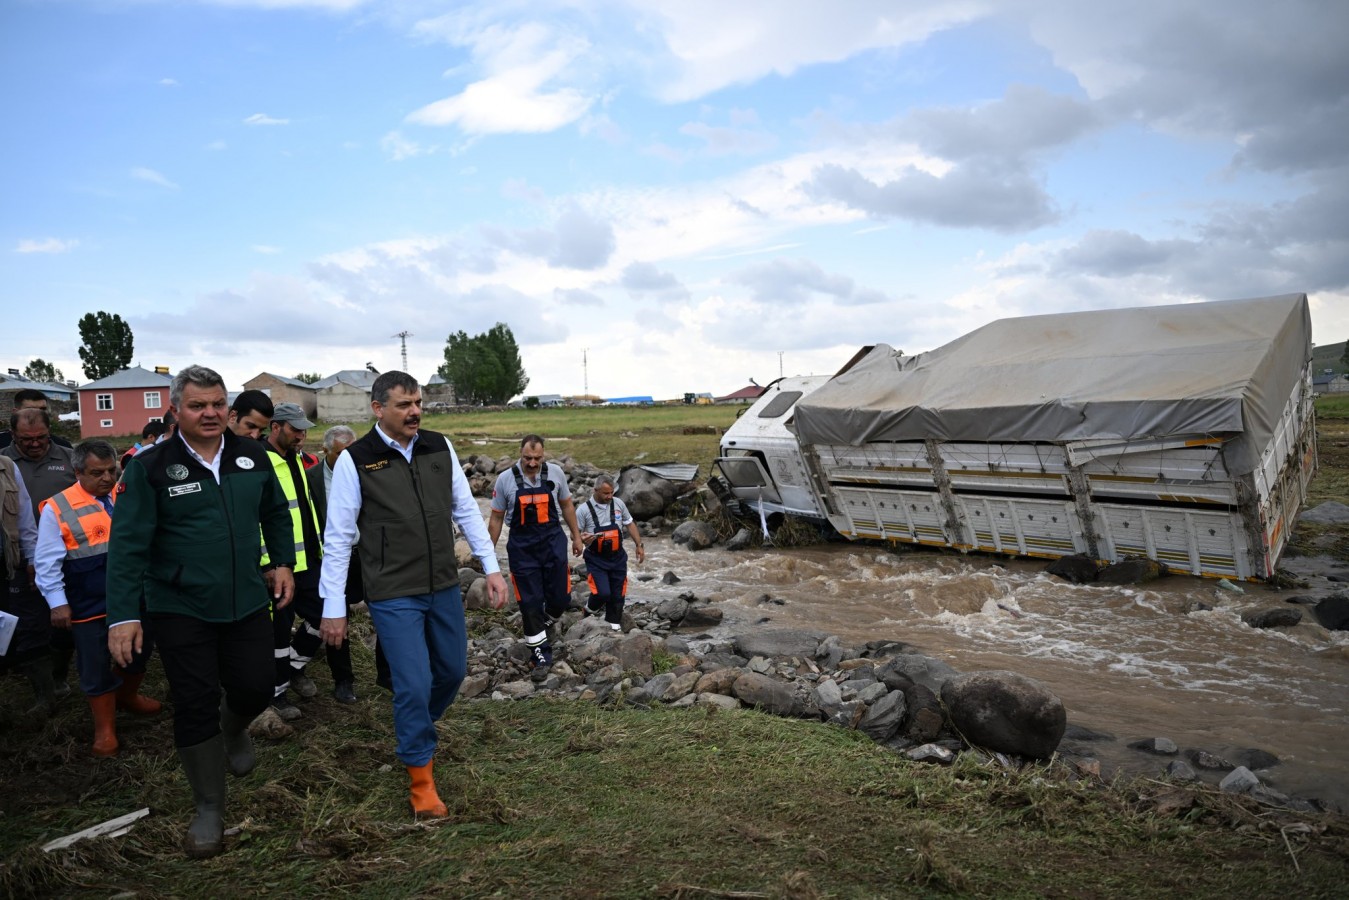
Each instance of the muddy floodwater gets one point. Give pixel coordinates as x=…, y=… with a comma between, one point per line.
x=1137, y=662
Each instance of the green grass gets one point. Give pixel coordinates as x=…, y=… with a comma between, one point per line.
x=565, y=799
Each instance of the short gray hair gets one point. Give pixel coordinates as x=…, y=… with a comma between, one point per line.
x=200, y=376
x=379, y=391
x=97, y=449
x=602, y=480
x=332, y=435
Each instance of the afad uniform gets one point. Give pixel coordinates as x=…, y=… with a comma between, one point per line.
x=537, y=545
x=605, y=558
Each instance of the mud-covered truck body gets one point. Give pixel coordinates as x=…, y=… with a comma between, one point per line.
x=1183, y=433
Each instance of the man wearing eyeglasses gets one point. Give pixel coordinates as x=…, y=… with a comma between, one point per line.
x=29, y=399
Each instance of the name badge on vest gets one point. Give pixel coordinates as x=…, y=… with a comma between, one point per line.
x=244, y=462
x=179, y=489
x=176, y=472
x=375, y=466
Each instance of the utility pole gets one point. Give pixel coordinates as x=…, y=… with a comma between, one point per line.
x=780, y=363
x=585, y=372
x=404, y=335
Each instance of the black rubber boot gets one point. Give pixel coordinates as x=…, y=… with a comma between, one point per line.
x=39, y=673
x=239, y=754
x=204, y=765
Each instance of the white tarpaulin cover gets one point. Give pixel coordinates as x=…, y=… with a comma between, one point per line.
x=1224, y=368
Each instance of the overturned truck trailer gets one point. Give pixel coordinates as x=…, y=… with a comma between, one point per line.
x=1183, y=433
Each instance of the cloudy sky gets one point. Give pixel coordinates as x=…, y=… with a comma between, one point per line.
x=659, y=196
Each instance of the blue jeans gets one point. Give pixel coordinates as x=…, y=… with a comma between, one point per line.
x=426, y=643
x=94, y=662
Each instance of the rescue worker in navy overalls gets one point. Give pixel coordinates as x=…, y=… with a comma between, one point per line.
x=538, y=499
x=602, y=519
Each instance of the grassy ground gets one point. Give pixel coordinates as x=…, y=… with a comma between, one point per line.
x=564, y=799
x=557, y=799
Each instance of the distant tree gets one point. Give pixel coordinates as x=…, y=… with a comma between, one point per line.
x=485, y=368
x=107, y=344
x=41, y=370
x=308, y=377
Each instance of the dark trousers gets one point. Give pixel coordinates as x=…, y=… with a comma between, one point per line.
x=32, y=637
x=203, y=658
x=608, y=582
x=94, y=662
x=541, y=576
x=308, y=607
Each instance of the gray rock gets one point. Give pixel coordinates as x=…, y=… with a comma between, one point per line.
x=474, y=685
x=1083, y=733
x=776, y=642
x=1330, y=512
x=1257, y=759
x=635, y=653
x=930, y=753
x=1077, y=569
x=1133, y=570
x=849, y=713
x=828, y=697
x=830, y=652
x=872, y=692
x=1280, y=617
x=1180, y=770
x=718, y=682
x=669, y=578
x=701, y=615
x=1202, y=759
x=1158, y=746
x=513, y=690
x=1333, y=612
x=476, y=595
x=741, y=540
x=698, y=535
x=673, y=609
x=920, y=669
x=645, y=493
x=1005, y=712
x=657, y=686
x=768, y=694
x=718, y=700
x=682, y=685
x=925, y=717
x=1239, y=781
x=882, y=719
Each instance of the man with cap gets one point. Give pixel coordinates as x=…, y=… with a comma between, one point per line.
x=288, y=429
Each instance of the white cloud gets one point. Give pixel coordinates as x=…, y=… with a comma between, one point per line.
x=169, y=82
x=266, y=249
x=153, y=177
x=525, y=87
x=400, y=148
x=46, y=245
x=264, y=119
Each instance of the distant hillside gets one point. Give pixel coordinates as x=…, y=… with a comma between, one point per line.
x=1329, y=356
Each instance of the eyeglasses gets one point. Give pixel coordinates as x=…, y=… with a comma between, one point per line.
x=39, y=439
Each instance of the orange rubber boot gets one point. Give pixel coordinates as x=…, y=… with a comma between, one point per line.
x=426, y=803
x=104, y=708
x=132, y=702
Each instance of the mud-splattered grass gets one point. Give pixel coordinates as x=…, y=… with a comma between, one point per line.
x=554, y=798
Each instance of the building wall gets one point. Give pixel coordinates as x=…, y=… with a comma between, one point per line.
x=343, y=403
x=128, y=415
x=280, y=392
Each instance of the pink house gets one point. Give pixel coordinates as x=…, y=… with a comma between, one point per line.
x=122, y=403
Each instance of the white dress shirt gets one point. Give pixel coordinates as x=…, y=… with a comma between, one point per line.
x=344, y=505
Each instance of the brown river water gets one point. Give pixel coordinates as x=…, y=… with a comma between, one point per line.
x=1137, y=662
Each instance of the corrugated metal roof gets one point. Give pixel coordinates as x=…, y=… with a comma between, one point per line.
x=361, y=378
x=134, y=377
x=671, y=471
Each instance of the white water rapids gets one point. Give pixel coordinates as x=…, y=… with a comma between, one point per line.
x=1137, y=662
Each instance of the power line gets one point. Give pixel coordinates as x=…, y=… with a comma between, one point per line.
x=404, y=335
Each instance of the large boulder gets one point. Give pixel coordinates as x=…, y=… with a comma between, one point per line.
x=768, y=694
x=1133, y=570
x=1333, y=611
x=915, y=668
x=1005, y=712
x=1279, y=617
x=698, y=535
x=1332, y=512
x=1077, y=569
x=645, y=493
x=771, y=642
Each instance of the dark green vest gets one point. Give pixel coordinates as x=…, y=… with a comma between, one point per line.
x=406, y=519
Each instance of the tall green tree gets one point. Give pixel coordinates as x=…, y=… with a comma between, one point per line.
x=484, y=368
x=308, y=377
x=41, y=370
x=107, y=344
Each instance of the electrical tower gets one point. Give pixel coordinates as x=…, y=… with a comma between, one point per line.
x=403, y=336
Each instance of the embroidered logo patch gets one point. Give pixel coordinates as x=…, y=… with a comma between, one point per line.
x=176, y=472
x=244, y=462
x=179, y=489
x=375, y=466
x=121, y=487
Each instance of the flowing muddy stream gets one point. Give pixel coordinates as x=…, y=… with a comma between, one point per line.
x=1136, y=661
